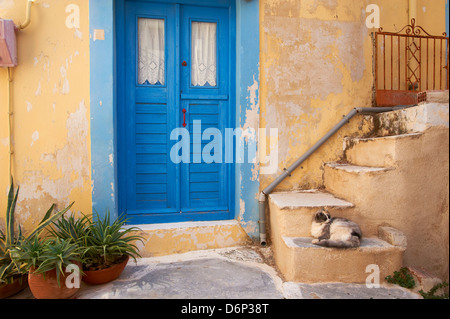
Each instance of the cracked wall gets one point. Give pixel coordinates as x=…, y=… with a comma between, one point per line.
x=316, y=65
x=51, y=137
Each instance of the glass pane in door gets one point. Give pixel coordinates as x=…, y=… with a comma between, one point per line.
x=151, y=63
x=204, y=54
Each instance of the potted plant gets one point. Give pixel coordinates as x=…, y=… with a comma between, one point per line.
x=47, y=261
x=13, y=278
x=108, y=247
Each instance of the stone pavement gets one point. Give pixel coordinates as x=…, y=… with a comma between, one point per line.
x=229, y=273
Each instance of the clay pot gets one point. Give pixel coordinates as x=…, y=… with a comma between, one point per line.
x=8, y=290
x=46, y=287
x=97, y=277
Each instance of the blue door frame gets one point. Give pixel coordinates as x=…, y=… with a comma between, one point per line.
x=104, y=53
x=153, y=189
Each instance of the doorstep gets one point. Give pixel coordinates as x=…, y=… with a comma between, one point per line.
x=176, y=238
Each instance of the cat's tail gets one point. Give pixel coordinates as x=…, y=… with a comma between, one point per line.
x=352, y=243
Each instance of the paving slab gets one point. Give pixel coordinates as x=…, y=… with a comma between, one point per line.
x=210, y=278
x=353, y=291
x=228, y=273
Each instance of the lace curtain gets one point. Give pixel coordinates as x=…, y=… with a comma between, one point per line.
x=151, y=51
x=204, y=54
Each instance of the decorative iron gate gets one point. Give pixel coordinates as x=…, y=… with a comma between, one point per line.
x=408, y=63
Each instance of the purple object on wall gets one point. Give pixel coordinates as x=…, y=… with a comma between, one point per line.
x=8, y=45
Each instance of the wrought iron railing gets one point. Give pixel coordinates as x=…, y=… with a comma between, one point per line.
x=411, y=60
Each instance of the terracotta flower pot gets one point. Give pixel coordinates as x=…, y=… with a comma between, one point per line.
x=46, y=287
x=8, y=290
x=97, y=277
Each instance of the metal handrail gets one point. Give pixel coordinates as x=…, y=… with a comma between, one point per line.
x=288, y=171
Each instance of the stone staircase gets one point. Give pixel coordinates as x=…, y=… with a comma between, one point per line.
x=367, y=187
x=299, y=260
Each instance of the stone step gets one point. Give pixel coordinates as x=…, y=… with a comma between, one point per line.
x=301, y=261
x=434, y=113
x=291, y=213
x=177, y=238
x=378, y=151
x=355, y=183
x=371, y=189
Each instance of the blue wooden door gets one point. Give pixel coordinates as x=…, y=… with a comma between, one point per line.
x=177, y=78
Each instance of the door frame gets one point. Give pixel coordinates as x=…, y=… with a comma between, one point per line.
x=103, y=16
x=122, y=146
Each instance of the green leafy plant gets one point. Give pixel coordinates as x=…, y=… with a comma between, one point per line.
x=72, y=229
x=9, y=270
x=432, y=293
x=42, y=255
x=402, y=278
x=109, y=243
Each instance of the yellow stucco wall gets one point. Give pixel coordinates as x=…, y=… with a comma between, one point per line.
x=316, y=65
x=51, y=138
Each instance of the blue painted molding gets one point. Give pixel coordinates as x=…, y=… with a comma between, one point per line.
x=247, y=73
x=101, y=17
x=103, y=99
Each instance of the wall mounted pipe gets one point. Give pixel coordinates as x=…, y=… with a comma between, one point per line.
x=10, y=122
x=288, y=171
x=27, y=21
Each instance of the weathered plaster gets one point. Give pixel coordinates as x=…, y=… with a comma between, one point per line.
x=51, y=111
x=316, y=66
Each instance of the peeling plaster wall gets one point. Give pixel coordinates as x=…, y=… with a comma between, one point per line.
x=51, y=136
x=316, y=65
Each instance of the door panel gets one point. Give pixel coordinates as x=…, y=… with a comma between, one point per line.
x=150, y=97
x=205, y=88
x=158, y=87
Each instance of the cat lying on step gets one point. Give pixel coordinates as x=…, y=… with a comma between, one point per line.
x=334, y=232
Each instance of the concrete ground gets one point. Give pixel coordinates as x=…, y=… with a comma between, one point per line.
x=229, y=273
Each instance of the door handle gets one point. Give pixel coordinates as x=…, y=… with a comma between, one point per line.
x=184, y=117
x=184, y=63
